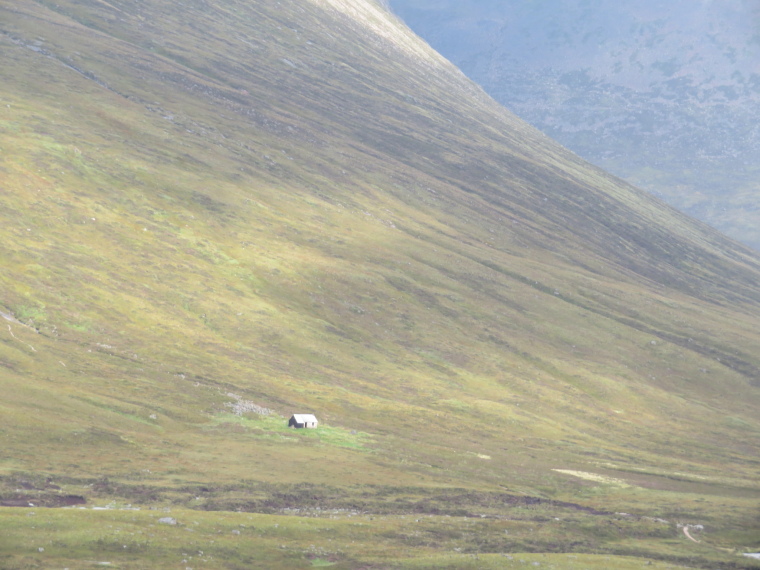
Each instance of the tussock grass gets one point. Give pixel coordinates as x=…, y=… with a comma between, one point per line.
x=128, y=538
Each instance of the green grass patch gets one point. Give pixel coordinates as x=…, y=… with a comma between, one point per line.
x=276, y=427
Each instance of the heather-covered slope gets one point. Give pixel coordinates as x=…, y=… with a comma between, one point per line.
x=213, y=208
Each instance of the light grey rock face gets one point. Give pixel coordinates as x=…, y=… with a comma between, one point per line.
x=664, y=94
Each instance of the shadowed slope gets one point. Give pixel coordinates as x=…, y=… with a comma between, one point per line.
x=664, y=95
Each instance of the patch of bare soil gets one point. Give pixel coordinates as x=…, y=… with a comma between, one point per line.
x=50, y=501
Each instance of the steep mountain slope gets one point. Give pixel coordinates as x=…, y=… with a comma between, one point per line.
x=665, y=95
x=216, y=210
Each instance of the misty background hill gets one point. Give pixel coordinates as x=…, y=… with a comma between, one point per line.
x=663, y=94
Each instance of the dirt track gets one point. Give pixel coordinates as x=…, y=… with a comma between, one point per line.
x=686, y=532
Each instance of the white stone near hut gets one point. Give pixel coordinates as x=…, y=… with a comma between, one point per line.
x=303, y=421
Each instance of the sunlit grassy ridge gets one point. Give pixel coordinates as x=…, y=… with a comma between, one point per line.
x=279, y=203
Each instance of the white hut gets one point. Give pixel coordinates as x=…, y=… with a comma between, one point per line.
x=303, y=421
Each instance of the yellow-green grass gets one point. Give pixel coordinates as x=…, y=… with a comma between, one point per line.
x=418, y=267
x=125, y=537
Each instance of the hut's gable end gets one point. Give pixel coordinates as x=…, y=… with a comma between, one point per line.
x=303, y=421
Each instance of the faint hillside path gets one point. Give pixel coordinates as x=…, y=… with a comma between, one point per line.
x=12, y=319
x=9, y=317
x=686, y=532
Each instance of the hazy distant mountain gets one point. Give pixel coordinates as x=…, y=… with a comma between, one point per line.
x=664, y=94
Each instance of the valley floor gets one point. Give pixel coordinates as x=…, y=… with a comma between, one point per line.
x=365, y=527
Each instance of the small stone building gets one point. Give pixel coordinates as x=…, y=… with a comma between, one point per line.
x=303, y=421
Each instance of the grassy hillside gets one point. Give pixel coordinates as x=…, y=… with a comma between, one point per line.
x=217, y=214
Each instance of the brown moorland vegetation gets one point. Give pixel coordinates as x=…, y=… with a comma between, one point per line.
x=215, y=207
